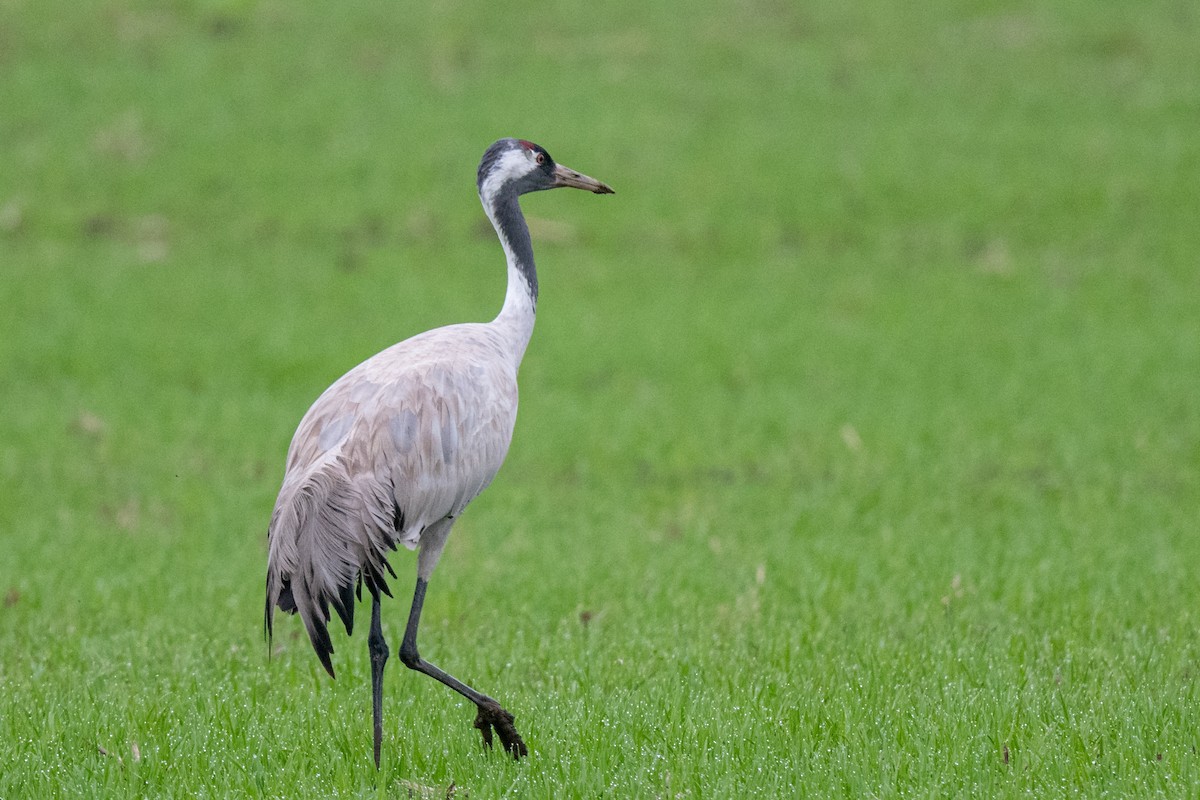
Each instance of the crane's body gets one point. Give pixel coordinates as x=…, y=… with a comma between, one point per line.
x=396, y=448
x=400, y=443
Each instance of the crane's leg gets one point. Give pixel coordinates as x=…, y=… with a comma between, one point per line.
x=379, y=656
x=491, y=715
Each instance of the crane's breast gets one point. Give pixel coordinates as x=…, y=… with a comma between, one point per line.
x=440, y=435
x=452, y=420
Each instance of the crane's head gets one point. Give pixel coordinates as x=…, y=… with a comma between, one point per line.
x=515, y=165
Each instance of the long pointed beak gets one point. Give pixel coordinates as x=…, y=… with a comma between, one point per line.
x=564, y=176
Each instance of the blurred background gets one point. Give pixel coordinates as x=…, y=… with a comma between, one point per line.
x=896, y=309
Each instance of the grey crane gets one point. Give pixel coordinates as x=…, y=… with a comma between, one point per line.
x=397, y=447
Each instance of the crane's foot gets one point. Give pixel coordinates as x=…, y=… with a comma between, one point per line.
x=492, y=716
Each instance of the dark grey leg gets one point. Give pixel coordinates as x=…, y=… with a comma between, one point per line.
x=491, y=715
x=379, y=656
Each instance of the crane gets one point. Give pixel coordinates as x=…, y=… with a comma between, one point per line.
x=394, y=450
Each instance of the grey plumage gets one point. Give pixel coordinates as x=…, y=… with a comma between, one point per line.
x=401, y=442
x=395, y=449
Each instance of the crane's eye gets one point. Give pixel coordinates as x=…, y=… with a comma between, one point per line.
x=540, y=158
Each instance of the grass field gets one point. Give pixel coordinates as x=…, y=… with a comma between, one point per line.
x=859, y=449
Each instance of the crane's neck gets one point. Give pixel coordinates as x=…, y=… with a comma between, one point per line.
x=520, y=300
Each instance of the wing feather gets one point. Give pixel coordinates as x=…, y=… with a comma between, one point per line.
x=403, y=441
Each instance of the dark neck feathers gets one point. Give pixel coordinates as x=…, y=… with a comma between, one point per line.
x=510, y=224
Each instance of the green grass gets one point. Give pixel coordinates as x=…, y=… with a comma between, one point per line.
x=859, y=450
